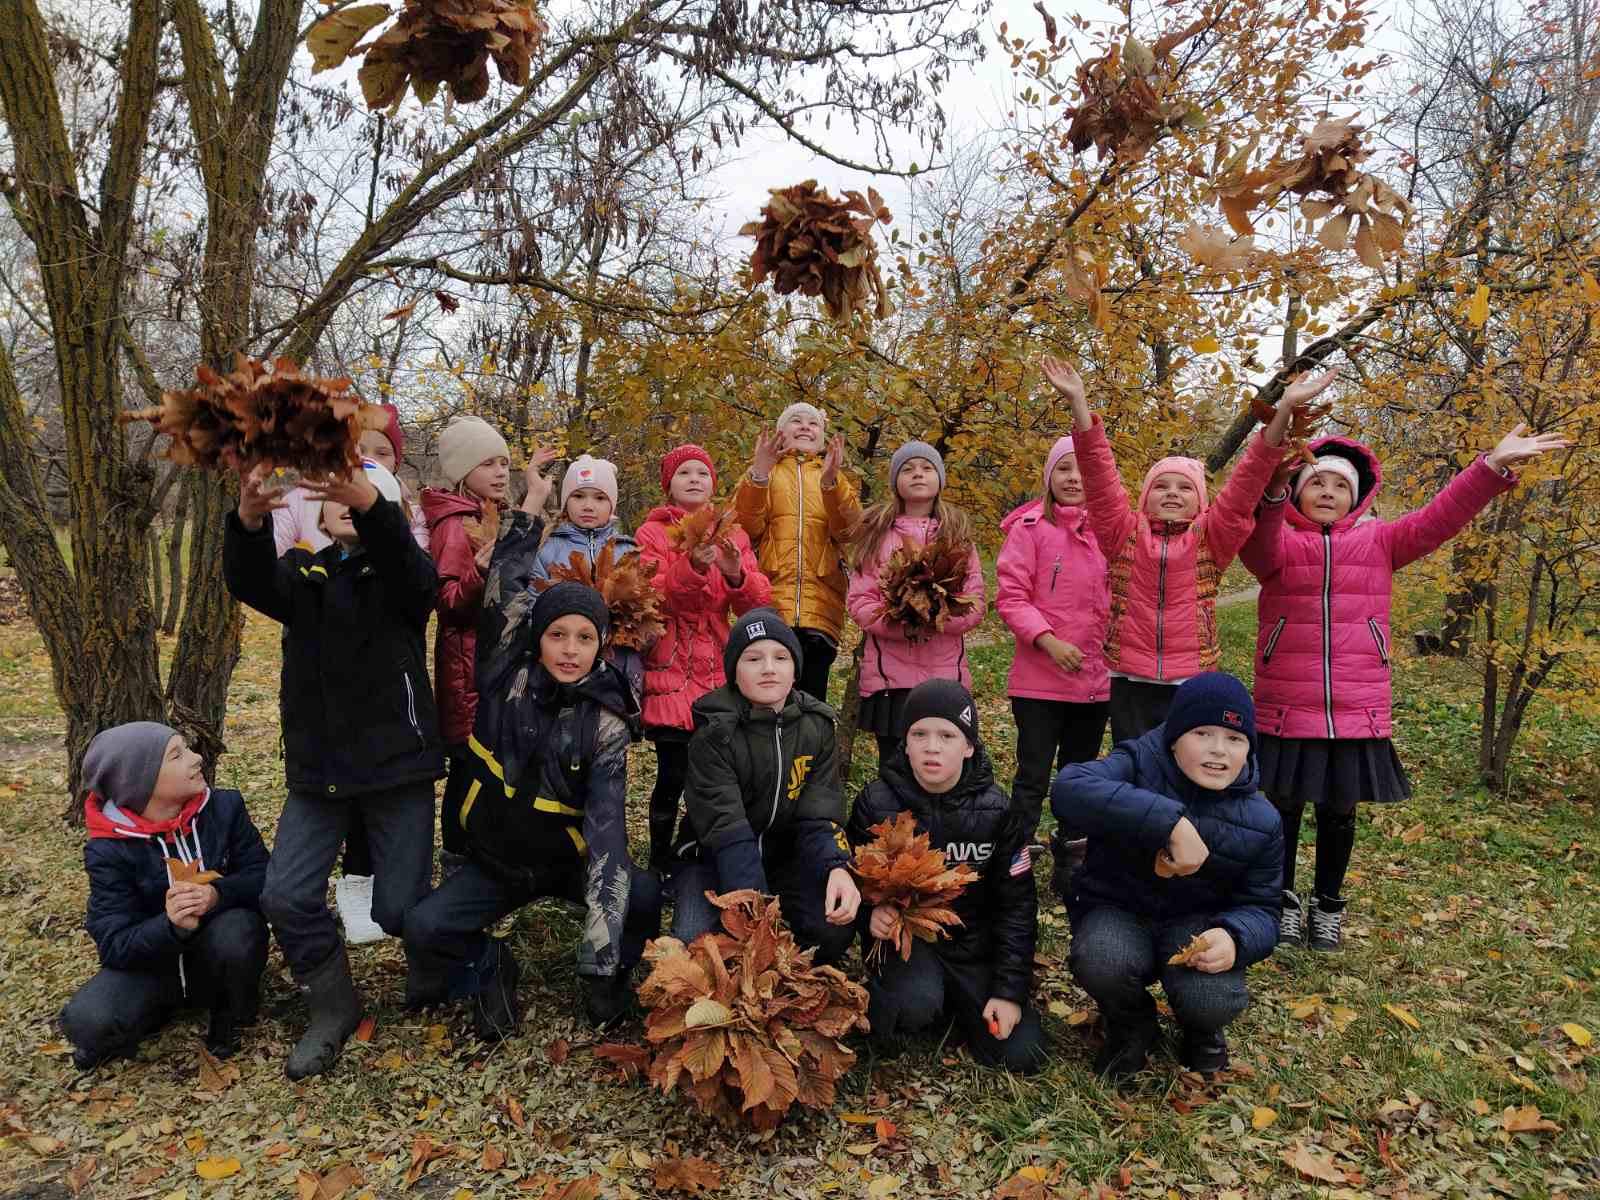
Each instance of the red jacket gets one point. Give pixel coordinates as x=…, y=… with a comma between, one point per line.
x=1322, y=646
x=455, y=645
x=1163, y=574
x=686, y=661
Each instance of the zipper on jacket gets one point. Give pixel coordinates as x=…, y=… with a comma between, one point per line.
x=1161, y=607
x=799, y=535
x=1378, y=640
x=1054, y=572
x=411, y=707
x=777, y=787
x=1327, y=628
x=1272, y=640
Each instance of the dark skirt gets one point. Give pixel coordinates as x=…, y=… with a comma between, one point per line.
x=1331, y=774
x=880, y=712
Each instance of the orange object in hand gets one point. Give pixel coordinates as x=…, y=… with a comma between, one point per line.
x=1165, y=867
x=994, y=1027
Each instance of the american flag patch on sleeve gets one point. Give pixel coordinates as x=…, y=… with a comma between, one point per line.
x=1022, y=861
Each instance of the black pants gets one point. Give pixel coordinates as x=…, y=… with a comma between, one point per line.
x=801, y=889
x=116, y=1010
x=1138, y=707
x=912, y=995
x=357, y=850
x=310, y=832
x=672, y=769
x=818, y=651
x=1116, y=955
x=1051, y=734
x=1336, y=842
x=453, y=838
x=445, y=939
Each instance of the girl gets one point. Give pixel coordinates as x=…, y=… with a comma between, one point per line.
x=544, y=813
x=1326, y=564
x=1166, y=556
x=359, y=730
x=896, y=659
x=981, y=974
x=699, y=591
x=1052, y=595
x=476, y=464
x=587, y=525
x=799, y=511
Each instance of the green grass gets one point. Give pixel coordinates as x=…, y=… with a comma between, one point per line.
x=1472, y=913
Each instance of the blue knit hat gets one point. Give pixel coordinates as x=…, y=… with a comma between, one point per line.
x=1215, y=698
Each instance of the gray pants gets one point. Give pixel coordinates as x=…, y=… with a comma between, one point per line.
x=399, y=825
x=1116, y=955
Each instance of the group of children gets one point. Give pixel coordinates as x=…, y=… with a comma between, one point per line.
x=1165, y=845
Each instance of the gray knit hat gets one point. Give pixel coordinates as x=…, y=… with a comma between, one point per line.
x=123, y=762
x=915, y=450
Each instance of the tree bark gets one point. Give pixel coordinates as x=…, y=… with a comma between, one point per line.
x=180, y=517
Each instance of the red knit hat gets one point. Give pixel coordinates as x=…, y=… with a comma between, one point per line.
x=391, y=430
x=676, y=458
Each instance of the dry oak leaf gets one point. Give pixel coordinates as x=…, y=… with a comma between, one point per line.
x=215, y=1076
x=1319, y=1167
x=692, y=1175
x=311, y=1186
x=423, y=1151
x=902, y=869
x=811, y=243
x=1185, y=958
x=183, y=872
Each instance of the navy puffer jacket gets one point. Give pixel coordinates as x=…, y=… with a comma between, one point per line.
x=1130, y=801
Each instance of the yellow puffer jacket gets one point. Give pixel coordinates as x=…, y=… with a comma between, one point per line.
x=799, y=529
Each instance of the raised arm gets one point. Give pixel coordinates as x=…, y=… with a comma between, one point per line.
x=840, y=501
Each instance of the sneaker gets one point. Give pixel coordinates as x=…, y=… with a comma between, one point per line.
x=1327, y=924
x=1204, y=1053
x=1291, y=921
x=352, y=896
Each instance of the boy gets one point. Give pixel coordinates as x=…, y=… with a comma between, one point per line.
x=165, y=940
x=1184, y=794
x=763, y=801
x=979, y=975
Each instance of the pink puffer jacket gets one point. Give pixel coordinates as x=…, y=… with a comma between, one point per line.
x=889, y=660
x=1322, y=648
x=686, y=661
x=1163, y=574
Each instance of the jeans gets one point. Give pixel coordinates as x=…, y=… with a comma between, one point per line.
x=445, y=942
x=399, y=823
x=1116, y=955
x=1138, y=707
x=116, y=1010
x=911, y=995
x=801, y=889
x=1051, y=734
x=818, y=651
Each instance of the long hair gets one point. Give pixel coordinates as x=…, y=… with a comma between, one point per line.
x=866, y=539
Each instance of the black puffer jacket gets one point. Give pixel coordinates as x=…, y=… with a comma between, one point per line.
x=973, y=823
x=356, y=707
x=763, y=786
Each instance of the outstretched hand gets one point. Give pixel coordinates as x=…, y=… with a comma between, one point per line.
x=1514, y=449
x=1297, y=398
x=1064, y=378
x=353, y=491
x=539, y=483
x=832, y=461
x=769, y=449
x=257, y=497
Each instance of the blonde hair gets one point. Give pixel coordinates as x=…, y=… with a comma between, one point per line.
x=866, y=539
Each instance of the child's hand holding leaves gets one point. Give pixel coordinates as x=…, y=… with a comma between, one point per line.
x=1515, y=449
x=1218, y=953
x=186, y=903
x=726, y=556
x=257, y=497
x=884, y=922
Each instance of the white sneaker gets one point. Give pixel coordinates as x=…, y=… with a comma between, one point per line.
x=352, y=895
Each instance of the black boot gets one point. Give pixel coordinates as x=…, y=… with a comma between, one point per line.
x=1206, y=1053
x=1067, y=856
x=230, y=1014
x=495, y=1014
x=605, y=997
x=1127, y=1049
x=335, y=1012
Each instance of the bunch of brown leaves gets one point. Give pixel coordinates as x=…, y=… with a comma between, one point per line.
x=818, y=246
x=921, y=584
x=1329, y=164
x=743, y=1022
x=1125, y=99
x=704, y=525
x=264, y=413
x=433, y=42
x=902, y=869
x=1302, y=425
x=484, y=528
x=627, y=583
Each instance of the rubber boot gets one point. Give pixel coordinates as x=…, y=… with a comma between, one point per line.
x=335, y=1012
x=605, y=998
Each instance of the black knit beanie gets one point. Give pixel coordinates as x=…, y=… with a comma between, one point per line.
x=564, y=599
x=122, y=763
x=941, y=698
x=756, y=625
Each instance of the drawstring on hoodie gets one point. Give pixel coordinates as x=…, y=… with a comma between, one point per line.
x=184, y=853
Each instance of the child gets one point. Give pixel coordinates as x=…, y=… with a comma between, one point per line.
x=1186, y=791
x=799, y=511
x=360, y=734
x=699, y=592
x=763, y=804
x=896, y=659
x=587, y=525
x=1166, y=556
x=165, y=943
x=1052, y=594
x=979, y=975
x=1326, y=565
x=476, y=464
x=544, y=813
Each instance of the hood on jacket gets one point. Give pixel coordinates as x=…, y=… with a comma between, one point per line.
x=1191, y=468
x=977, y=777
x=1153, y=747
x=437, y=504
x=1368, y=470
x=176, y=837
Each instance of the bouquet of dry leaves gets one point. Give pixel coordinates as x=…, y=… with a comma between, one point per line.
x=900, y=868
x=818, y=246
x=628, y=584
x=922, y=584
x=706, y=525
x=1125, y=98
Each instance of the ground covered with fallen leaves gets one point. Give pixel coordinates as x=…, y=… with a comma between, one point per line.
x=1446, y=1052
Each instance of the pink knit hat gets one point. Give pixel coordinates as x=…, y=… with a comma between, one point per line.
x=679, y=455
x=1190, y=468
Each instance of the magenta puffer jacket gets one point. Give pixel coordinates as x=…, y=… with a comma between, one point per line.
x=686, y=661
x=1322, y=647
x=1051, y=578
x=890, y=659
x=1163, y=575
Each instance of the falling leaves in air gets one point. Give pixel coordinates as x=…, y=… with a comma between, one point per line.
x=627, y=583
x=922, y=584
x=899, y=868
x=811, y=243
x=1126, y=100
x=1214, y=248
